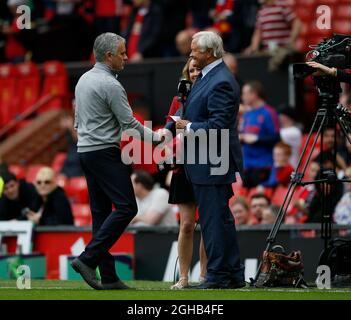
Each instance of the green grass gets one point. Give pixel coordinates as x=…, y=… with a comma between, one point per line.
x=154, y=290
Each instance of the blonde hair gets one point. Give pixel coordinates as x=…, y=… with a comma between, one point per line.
x=239, y=200
x=185, y=72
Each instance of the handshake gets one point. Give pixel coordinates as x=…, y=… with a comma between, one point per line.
x=161, y=134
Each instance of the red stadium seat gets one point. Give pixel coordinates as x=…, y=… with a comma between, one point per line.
x=58, y=161
x=18, y=171
x=56, y=83
x=310, y=101
x=240, y=192
x=343, y=11
x=81, y=214
x=309, y=147
x=8, y=93
x=279, y=195
x=28, y=85
x=328, y=2
x=304, y=3
x=61, y=181
x=302, y=45
x=32, y=171
x=314, y=31
x=77, y=190
x=266, y=191
x=342, y=26
x=305, y=13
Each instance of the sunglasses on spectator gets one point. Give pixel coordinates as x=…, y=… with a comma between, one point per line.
x=40, y=182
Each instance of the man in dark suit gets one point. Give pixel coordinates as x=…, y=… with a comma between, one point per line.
x=212, y=107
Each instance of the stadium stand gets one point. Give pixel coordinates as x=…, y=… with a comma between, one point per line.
x=8, y=86
x=55, y=83
x=81, y=214
x=77, y=190
x=33, y=98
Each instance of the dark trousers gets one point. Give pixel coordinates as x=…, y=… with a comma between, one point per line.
x=219, y=234
x=109, y=183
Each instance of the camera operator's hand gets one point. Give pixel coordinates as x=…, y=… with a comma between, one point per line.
x=322, y=70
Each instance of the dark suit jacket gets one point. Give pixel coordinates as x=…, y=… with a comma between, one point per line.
x=213, y=103
x=150, y=34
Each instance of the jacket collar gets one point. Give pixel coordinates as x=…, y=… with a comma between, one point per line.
x=204, y=80
x=105, y=67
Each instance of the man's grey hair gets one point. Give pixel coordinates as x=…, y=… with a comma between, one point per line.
x=209, y=40
x=106, y=42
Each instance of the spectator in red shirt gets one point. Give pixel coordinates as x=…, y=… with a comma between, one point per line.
x=282, y=169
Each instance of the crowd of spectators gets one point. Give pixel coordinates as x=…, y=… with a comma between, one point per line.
x=43, y=203
x=65, y=29
x=271, y=137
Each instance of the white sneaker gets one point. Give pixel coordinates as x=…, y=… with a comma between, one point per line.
x=181, y=284
x=202, y=280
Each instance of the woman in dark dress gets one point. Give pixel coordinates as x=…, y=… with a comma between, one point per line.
x=181, y=193
x=53, y=204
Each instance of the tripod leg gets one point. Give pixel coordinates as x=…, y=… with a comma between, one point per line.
x=319, y=121
x=344, y=125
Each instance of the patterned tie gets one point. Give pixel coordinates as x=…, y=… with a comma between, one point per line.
x=197, y=81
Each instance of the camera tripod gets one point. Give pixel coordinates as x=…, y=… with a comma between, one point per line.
x=329, y=114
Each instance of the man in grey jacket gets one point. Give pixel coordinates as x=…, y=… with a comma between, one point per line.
x=102, y=114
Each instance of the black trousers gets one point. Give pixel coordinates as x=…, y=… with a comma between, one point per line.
x=109, y=183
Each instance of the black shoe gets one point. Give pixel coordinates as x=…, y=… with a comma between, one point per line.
x=341, y=281
x=210, y=285
x=118, y=285
x=87, y=273
x=236, y=285
x=219, y=285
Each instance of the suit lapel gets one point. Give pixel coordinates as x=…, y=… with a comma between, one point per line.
x=202, y=83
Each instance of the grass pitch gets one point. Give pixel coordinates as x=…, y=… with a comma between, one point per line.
x=154, y=290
